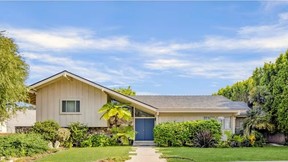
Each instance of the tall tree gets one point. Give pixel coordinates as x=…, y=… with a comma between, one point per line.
x=13, y=73
x=267, y=91
x=126, y=91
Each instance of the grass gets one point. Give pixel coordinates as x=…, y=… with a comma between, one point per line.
x=186, y=154
x=91, y=154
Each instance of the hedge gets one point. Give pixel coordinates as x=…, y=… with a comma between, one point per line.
x=184, y=133
x=18, y=145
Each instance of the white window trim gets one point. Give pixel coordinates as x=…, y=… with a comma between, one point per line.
x=70, y=113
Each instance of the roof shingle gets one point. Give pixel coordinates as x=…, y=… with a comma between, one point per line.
x=191, y=102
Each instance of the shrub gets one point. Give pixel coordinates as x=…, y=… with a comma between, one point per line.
x=18, y=145
x=86, y=143
x=63, y=135
x=124, y=134
x=79, y=133
x=183, y=133
x=204, y=138
x=102, y=140
x=48, y=129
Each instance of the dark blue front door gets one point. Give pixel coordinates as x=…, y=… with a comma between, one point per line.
x=144, y=128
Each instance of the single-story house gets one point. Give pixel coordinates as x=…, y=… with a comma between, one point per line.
x=66, y=97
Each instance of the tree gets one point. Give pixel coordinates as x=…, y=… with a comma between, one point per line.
x=13, y=73
x=257, y=120
x=126, y=91
x=266, y=89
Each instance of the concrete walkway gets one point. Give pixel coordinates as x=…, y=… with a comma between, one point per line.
x=145, y=154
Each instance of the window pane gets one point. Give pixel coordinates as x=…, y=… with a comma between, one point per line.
x=77, y=106
x=139, y=113
x=227, y=123
x=70, y=106
x=63, y=106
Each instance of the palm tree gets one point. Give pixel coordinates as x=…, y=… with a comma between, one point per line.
x=257, y=119
x=115, y=113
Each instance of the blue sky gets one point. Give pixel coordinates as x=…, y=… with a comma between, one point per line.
x=179, y=48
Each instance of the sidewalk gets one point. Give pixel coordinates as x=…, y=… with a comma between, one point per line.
x=145, y=154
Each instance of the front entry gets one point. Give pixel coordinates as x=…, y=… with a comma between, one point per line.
x=144, y=128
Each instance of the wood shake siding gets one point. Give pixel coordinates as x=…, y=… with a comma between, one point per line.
x=49, y=97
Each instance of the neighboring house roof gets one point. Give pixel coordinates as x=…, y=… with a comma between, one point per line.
x=185, y=103
x=116, y=95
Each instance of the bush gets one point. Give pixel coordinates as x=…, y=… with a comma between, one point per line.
x=18, y=145
x=79, y=133
x=204, y=138
x=102, y=140
x=86, y=142
x=184, y=133
x=124, y=134
x=63, y=135
x=48, y=129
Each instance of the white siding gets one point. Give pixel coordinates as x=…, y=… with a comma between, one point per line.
x=49, y=97
x=26, y=118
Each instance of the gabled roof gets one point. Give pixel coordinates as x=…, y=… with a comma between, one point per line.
x=185, y=103
x=154, y=104
x=110, y=92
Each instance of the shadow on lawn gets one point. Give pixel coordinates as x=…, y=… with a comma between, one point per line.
x=177, y=157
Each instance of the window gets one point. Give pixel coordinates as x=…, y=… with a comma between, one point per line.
x=70, y=106
x=139, y=113
x=227, y=123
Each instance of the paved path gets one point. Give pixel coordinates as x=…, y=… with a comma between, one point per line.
x=145, y=154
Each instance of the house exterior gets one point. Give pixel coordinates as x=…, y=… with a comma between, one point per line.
x=22, y=119
x=66, y=97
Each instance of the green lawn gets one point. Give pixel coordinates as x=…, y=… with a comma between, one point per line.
x=91, y=154
x=178, y=154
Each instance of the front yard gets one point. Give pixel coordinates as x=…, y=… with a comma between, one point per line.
x=119, y=153
x=186, y=154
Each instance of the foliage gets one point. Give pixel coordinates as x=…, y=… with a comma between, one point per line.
x=184, y=133
x=100, y=140
x=79, y=133
x=48, y=129
x=204, y=138
x=253, y=139
x=18, y=145
x=257, y=120
x=13, y=73
x=86, y=142
x=126, y=91
x=267, y=90
x=124, y=134
x=115, y=113
x=63, y=135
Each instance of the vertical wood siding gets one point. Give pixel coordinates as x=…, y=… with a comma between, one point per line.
x=48, y=103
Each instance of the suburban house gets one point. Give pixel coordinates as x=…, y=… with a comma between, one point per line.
x=66, y=97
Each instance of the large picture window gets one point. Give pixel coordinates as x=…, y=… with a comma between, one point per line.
x=70, y=106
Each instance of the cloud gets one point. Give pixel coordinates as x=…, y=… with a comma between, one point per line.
x=65, y=39
x=209, y=68
x=49, y=51
x=45, y=65
x=271, y=5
